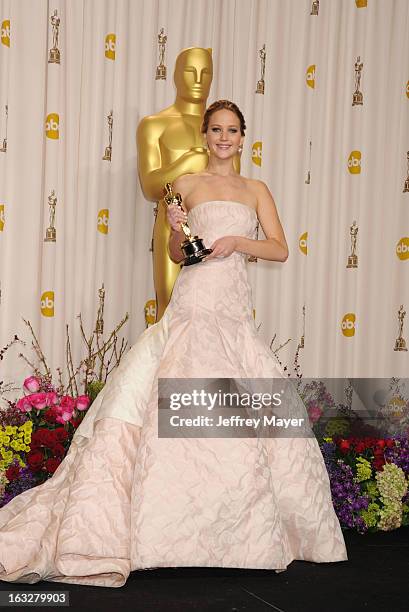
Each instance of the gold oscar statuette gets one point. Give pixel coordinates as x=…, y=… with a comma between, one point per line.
x=406, y=185
x=161, y=68
x=358, y=98
x=400, y=342
x=315, y=7
x=353, y=258
x=108, y=149
x=51, y=233
x=3, y=149
x=260, y=82
x=54, y=54
x=192, y=248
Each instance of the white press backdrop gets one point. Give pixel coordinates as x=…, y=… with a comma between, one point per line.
x=57, y=132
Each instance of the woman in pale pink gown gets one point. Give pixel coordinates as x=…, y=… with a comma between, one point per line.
x=125, y=499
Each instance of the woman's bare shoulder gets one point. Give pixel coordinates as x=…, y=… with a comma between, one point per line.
x=257, y=186
x=185, y=183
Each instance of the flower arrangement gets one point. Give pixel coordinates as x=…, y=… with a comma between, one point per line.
x=36, y=429
x=369, y=480
x=35, y=434
x=369, y=474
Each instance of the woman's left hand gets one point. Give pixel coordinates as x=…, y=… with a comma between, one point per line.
x=223, y=247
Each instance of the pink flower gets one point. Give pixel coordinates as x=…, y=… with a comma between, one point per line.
x=82, y=402
x=63, y=417
x=38, y=400
x=23, y=405
x=67, y=403
x=32, y=384
x=52, y=398
x=314, y=412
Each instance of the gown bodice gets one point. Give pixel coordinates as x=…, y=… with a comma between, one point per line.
x=216, y=218
x=218, y=286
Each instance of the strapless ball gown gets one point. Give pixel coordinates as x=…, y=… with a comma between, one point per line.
x=124, y=499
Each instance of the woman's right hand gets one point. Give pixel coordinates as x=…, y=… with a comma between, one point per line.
x=176, y=216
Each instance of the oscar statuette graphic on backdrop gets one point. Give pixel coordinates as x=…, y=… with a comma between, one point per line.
x=161, y=68
x=353, y=257
x=3, y=148
x=400, y=342
x=51, y=232
x=260, y=82
x=54, y=56
x=406, y=184
x=108, y=150
x=358, y=97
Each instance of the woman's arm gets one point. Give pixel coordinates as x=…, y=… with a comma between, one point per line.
x=273, y=248
x=175, y=239
x=175, y=217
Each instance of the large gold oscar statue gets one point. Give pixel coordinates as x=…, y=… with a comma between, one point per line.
x=170, y=144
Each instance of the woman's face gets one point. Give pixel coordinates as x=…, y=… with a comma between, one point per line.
x=223, y=134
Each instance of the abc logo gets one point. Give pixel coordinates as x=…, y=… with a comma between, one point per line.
x=52, y=125
x=2, y=219
x=407, y=89
x=310, y=76
x=110, y=46
x=5, y=32
x=47, y=304
x=150, y=312
x=396, y=406
x=402, y=248
x=302, y=243
x=361, y=3
x=348, y=324
x=256, y=152
x=103, y=218
x=354, y=162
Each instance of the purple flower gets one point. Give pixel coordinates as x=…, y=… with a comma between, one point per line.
x=25, y=481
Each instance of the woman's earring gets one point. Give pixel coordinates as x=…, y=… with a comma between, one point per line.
x=240, y=149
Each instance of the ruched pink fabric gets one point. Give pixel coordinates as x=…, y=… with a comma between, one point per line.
x=124, y=499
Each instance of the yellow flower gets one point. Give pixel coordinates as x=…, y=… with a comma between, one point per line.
x=6, y=440
x=337, y=425
x=9, y=430
x=363, y=470
x=370, y=518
